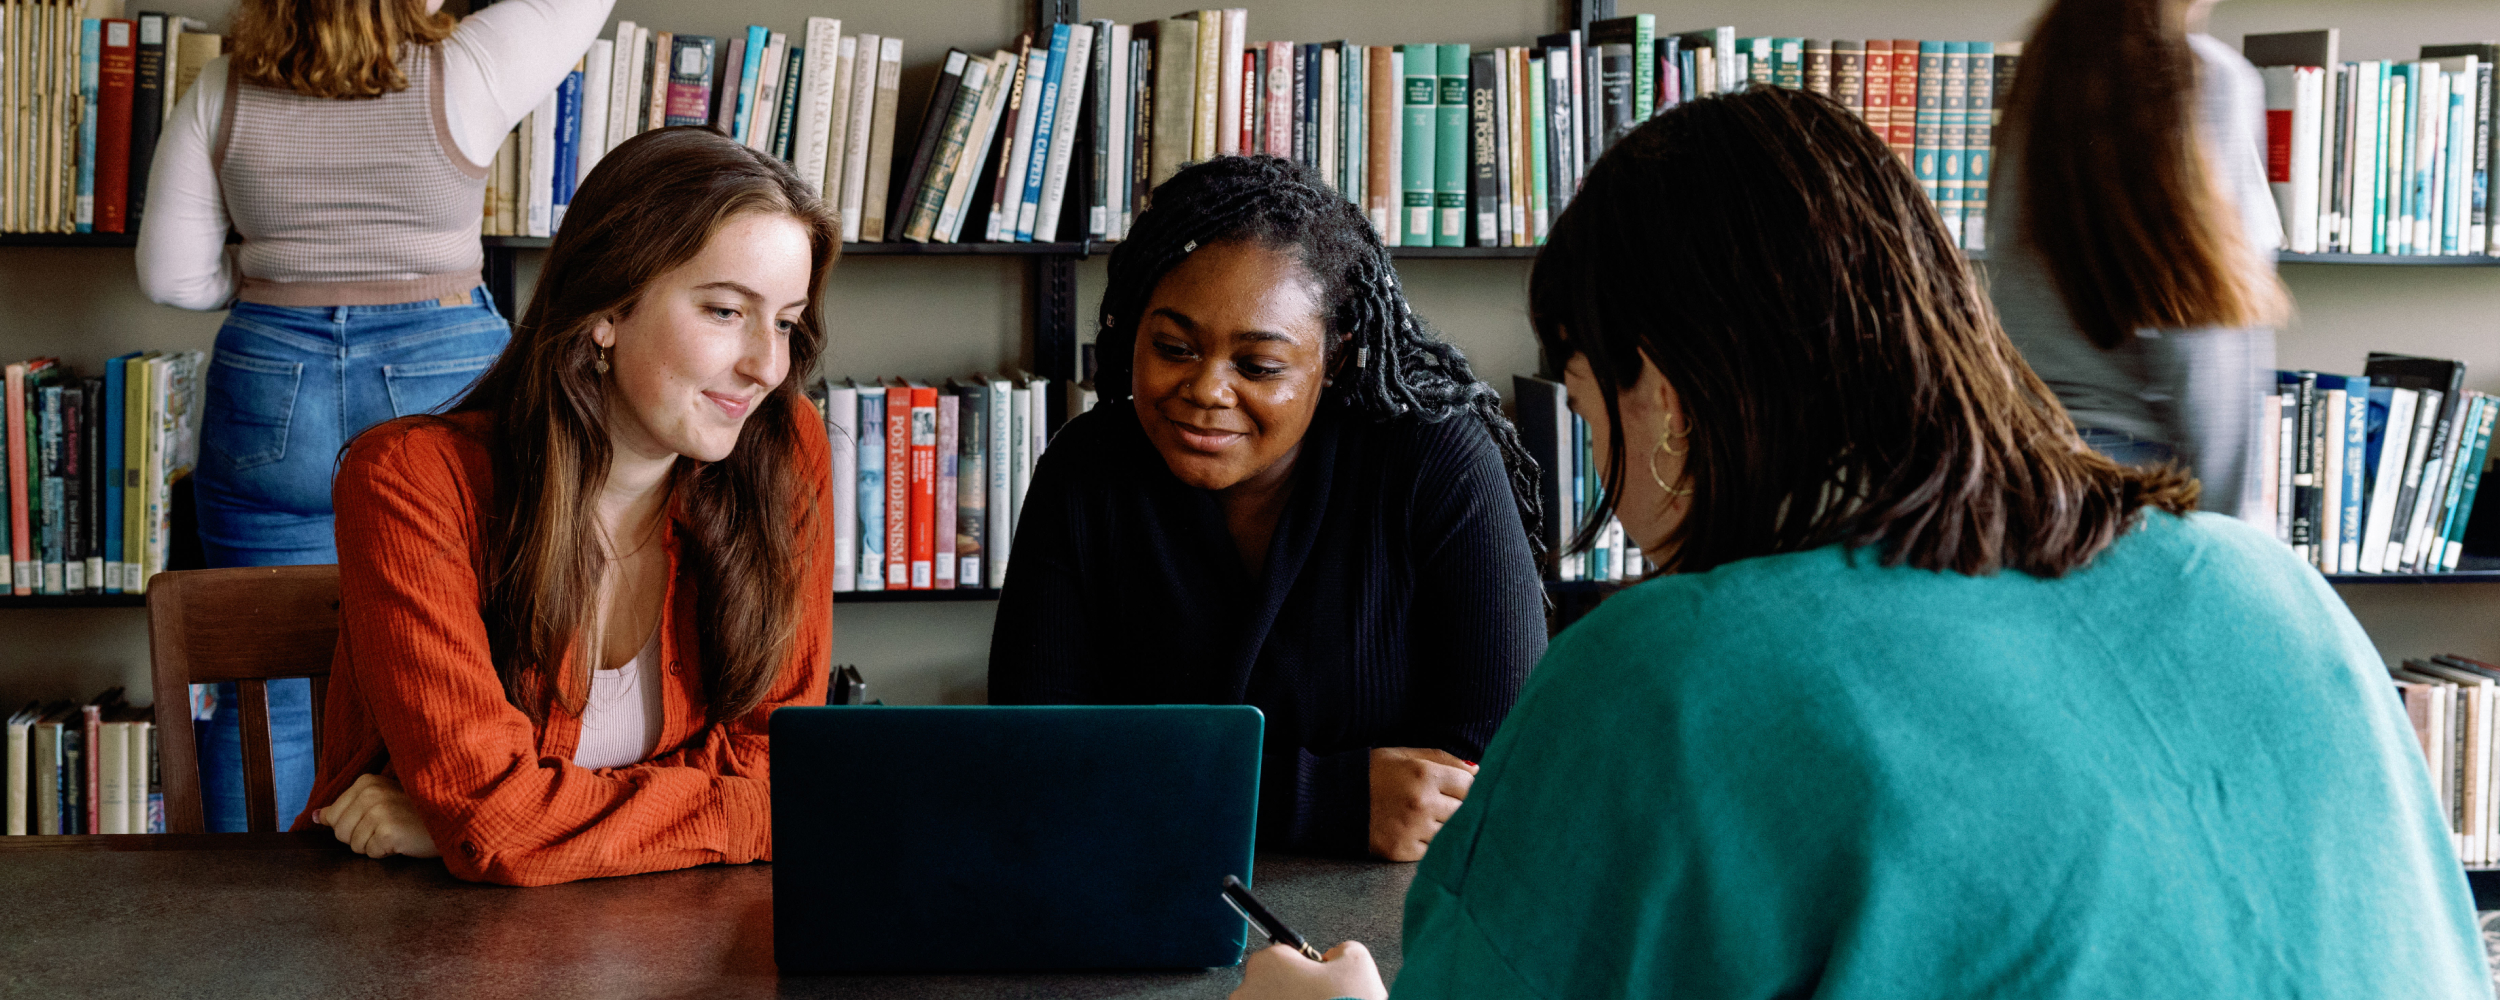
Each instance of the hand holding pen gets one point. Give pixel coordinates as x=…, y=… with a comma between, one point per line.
x=1290, y=969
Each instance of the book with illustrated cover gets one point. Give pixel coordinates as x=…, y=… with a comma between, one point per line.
x=842, y=437
x=972, y=427
x=690, y=80
x=949, y=466
x=872, y=475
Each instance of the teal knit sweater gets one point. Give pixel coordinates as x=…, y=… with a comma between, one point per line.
x=2179, y=772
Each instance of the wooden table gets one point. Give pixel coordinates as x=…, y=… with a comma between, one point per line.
x=288, y=915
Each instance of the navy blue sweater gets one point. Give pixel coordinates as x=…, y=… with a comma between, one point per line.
x=1399, y=606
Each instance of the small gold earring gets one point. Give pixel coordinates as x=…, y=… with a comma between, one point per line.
x=1653, y=467
x=1672, y=433
x=600, y=364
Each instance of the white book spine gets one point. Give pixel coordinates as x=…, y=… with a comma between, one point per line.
x=621, y=50
x=1002, y=519
x=842, y=436
x=2361, y=226
x=637, y=114
x=112, y=807
x=596, y=85
x=16, y=820
x=838, y=121
x=2379, y=515
x=1071, y=97
x=998, y=75
x=1229, y=100
x=142, y=737
x=1118, y=136
x=2282, y=95
x=855, y=152
x=1019, y=433
x=2460, y=162
x=768, y=72
x=542, y=192
x=816, y=69
x=1028, y=116
x=2434, y=492
x=2308, y=118
x=1328, y=134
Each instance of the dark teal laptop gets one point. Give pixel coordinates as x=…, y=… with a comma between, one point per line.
x=963, y=839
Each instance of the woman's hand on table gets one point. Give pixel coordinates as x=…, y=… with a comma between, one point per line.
x=1280, y=973
x=1414, y=791
x=376, y=819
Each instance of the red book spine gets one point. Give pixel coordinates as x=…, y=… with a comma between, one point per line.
x=949, y=411
x=897, y=487
x=21, y=542
x=1249, y=93
x=1905, y=97
x=92, y=723
x=117, y=78
x=923, y=487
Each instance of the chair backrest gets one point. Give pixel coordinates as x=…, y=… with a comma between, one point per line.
x=249, y=625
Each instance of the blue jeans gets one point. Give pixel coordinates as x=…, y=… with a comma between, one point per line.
x=288, y=389
x=2127, y=449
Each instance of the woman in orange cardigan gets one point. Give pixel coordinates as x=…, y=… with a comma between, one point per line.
x=569, y=605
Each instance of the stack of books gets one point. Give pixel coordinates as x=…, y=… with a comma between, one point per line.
x=2451, y=701
x=1570, y=489
x=928, y=478
x=2377, y=473
x=2379, y=156
x=89, y=469
x=83, y=768
x=84, y=98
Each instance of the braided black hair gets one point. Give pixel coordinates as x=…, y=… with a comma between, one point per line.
x=1399, y=365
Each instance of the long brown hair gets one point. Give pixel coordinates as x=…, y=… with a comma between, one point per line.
x=1844, y=379
x=2116, y=191
x=651, y=205
x=332, y=48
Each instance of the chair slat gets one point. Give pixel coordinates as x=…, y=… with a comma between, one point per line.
x=260, y=785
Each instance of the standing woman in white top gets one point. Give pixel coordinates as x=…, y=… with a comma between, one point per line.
x=348, y=142
x=2131, y=241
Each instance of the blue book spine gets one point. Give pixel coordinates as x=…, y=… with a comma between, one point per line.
x=90, y=52
x=758, y=37
x=872, y=489
x=568, y=140
x=1036, y=164
x=115, y=381
x=2356, y=446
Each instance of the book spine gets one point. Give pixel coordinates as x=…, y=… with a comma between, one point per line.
x=1380, y=182
x=90, y=68
x=1280, y=99
x=1908, y=71
x=1067, y=135
x=949, y=460
x=813, y=146
x=689, y=81
x=2454, y=551
x=2305, y=468
x=789, y=107
x=1422, y=89
x=872, y=489
x=998, y=524
x=2330, y=431
x=973, y=485
x=568, y=147
x=2434, y=548
x=116, y=86
x=147, y=111
x=596, y=89
x=842, y=433
x=1481, y=170
x=880, y=162
x=977, y=144
x=1979, y=145
x=1207, y=94
x=1449, y=173
x=91, y=771
x=73, y=489
x=138, y=386
x=898, y=487
x=50, y=505
x=910, y=190
x=2355, y=473
x=1952, y=134
x=15, y=821
x=722, y=115
x=1878, y=107
x=2420, y=447
x=923, y=500
x=1045, y=124
x=1020, y=438
x=1540, y=151
x=955, y=136
x=1007, y=193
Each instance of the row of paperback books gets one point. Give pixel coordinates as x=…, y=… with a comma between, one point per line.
x=84, y=94
x=84, y=768
x=90, y=467
x=2377, y=473
x=2451, y=701
x=2379, y=156
x=1569, y=487
x=927, y=479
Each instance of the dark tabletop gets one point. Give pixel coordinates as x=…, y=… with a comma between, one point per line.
x=286, y=915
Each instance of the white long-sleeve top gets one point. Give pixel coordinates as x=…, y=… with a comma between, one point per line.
x=496, y=66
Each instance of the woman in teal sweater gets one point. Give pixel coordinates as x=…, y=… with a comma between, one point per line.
x=1931, y=700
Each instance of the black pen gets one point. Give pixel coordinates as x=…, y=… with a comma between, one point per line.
x=1238, y=896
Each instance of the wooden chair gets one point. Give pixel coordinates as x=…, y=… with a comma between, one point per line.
x=251, y=626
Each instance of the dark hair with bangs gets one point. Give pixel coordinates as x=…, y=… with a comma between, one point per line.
x=1842, y=374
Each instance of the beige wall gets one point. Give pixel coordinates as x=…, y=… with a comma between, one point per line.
x=947, y=316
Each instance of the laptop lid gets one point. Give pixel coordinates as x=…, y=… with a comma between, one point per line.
x=974, y=838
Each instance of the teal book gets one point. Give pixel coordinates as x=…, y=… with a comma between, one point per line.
x=1449, y=149
x=90, y=64
x=872, y=487
x=2383, y=155
x=1789, y=66
x=1540, y=209
x=1422, y=65
x=1763, y=64
x=1979, y=151
x=2454, y=551
x=750, y=73
x=1953, y=136
x=1929, y=116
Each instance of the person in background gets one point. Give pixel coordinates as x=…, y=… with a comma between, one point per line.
x=1931, y=700
x=1292, y=496
x=2131, y=247
x=348, y=142
x=568, y=606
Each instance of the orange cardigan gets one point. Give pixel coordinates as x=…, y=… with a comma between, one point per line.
x=413, y=693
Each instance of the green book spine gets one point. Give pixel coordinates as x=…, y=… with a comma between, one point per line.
x=1763, y=66
x=1930, y=114
x=1449, y=144
x=1644, y=66
x=1953, y=135
x=1423, y=89
x=2454, y=551
x=1790, y=69
x=1541, y=212
x=1980, y=147
x=930, y=202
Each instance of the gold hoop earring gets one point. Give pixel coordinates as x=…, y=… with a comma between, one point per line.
x=1672, y=433
x=600, y=363
x=1653, y=467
